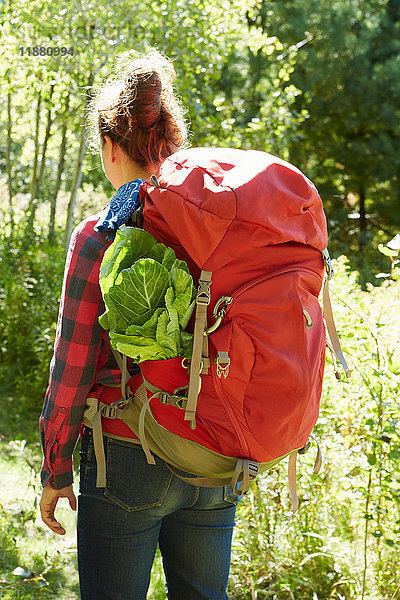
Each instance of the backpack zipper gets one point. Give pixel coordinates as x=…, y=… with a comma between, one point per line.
x=265, y=278
x=236, y=427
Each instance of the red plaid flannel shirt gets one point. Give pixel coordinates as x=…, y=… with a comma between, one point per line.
x=82, y=355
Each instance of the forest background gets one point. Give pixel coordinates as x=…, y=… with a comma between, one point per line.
x=316, y=83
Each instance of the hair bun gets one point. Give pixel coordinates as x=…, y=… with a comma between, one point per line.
x=145, y=98
x=138, y=109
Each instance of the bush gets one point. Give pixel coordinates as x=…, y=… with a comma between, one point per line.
x=31, y=274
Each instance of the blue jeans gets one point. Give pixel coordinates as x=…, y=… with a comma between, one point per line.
x=143, y=505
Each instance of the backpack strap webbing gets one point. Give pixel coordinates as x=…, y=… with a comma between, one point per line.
x=203, y=299
x=94, y=410
x=121, y=360
x=328, y=315
x=245, y=472
x=174, y=399
x=294, y=500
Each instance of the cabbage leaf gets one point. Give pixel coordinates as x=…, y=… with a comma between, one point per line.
x=149, y=297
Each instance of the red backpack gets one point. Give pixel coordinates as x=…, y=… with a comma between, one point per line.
x=252, y=230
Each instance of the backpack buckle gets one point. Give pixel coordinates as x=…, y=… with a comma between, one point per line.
x=180, y=402
x=203, y=292
x=222, y=361
x=109, y=411
x=328, y=264
x=173, y=399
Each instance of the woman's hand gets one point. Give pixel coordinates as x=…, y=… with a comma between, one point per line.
x=48, y=503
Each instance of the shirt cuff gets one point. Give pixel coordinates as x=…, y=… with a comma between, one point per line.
x=56, y=480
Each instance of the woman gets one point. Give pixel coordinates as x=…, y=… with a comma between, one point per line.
x=138, y=122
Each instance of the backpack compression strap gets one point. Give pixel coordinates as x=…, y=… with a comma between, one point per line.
x=334, y=344
x=200, y=346
x=294, y=500
x=246, y=471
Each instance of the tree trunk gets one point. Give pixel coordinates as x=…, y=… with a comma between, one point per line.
x=78, y=168
x=74, y=188
x=362, y=238
x=363, y=216
x=61, y=162
x=32, y=202
x=46, y=139
x=81, y=154
x=9, y=165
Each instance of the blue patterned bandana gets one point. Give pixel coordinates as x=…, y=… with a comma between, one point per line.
x=119, y=211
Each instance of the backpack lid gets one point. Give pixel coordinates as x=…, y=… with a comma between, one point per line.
x=221, y=202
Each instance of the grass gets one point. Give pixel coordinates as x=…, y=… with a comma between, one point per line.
x=49, y=561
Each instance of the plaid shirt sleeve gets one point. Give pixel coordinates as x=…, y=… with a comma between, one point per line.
x=76, y=352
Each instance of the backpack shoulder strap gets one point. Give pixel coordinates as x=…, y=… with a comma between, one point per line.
x=334, y=344
x=200, y=346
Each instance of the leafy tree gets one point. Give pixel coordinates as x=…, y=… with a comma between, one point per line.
x=314, y=82
x=225, y=76
x=347, y=69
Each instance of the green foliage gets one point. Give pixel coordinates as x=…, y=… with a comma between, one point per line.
x=33, y=562
x=392, y=251
x=315, y=82
x=346, y=73
x=30, y=285
x=252, y=100
x=149, y=297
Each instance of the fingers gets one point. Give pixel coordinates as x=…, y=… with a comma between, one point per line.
x=47, y=513
x=48, y=503
x=53, y=524
x=72, y=501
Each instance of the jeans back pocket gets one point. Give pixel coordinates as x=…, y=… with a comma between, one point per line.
x=132, y=483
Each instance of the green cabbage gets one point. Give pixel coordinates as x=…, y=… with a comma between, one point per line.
x=149, y=297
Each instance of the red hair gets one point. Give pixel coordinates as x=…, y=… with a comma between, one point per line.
x=138, y=110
